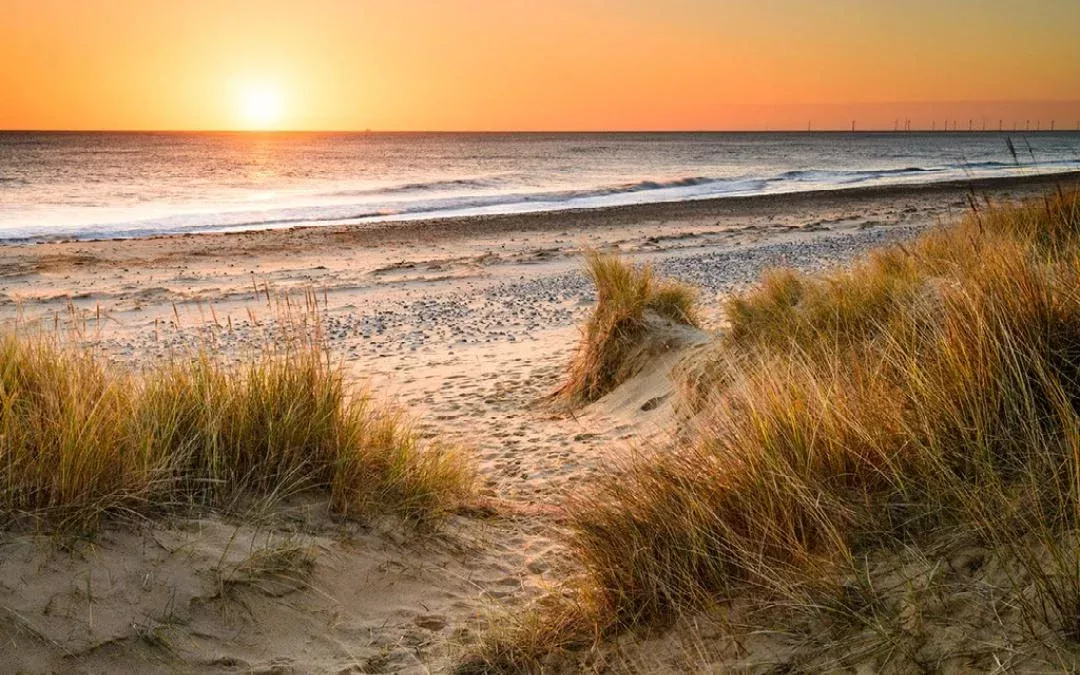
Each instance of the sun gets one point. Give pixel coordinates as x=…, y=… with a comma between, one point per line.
x=260, y=106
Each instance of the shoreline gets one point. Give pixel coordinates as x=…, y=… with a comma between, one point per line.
x=425, y=228
x=689, y=208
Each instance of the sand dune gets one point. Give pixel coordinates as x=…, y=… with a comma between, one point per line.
x=469, y=325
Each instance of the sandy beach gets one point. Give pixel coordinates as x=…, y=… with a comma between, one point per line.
x=467, y=323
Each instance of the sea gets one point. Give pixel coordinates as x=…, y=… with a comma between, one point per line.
x=115, y=185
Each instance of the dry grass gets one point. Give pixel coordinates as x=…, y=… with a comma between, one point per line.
x=928, y=394
x=277, y=569
x=615, y=340
x=542, y=637
x=80, y=439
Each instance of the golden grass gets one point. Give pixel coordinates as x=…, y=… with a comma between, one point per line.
x=277, y=569
x=80, y=439
x=928, y=393
x=615, y=338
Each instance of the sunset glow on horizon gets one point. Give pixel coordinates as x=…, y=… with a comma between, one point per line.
x=558, y=65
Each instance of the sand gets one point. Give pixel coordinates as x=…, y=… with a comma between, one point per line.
x=467, y=324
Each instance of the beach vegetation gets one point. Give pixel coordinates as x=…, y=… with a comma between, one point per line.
x=625, y=328
x=921, y=403
x=82, y=439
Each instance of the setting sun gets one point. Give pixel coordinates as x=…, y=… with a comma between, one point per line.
x=260, y=106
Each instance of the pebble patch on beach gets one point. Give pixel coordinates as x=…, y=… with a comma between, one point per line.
x=507, y=311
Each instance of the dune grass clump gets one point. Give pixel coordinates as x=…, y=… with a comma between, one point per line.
x=80, y=439
x=928, y=394
x=64, y=442
x=923, y=388
x=615, y=339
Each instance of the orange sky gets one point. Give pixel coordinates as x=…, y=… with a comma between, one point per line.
x=539, y=64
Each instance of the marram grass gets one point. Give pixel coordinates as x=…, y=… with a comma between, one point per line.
x=80, y=439
x=873, y=402
x=615, y=339
x=928, y=393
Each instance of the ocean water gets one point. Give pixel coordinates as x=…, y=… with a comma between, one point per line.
x=107, y=185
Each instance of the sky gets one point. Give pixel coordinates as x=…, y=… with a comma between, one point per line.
x=537, y=64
